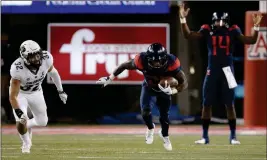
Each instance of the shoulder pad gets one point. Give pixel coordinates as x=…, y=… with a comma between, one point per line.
x=138, y=61
x=48, y=58
x=205, y=26
x=16, y=69
x=174, y=63
x=233, y=27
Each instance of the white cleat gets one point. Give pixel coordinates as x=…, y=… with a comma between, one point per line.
x=150, y=135
x=202, y=141
x=234, y=142
x=26, y=148
x=166, y=140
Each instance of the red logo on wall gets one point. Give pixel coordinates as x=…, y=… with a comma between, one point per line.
x=85, y=52
x=258, y=51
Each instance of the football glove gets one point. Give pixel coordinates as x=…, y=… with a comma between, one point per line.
x=166, y=90
x=63, y=96
x=22, y=117
x=104, y=80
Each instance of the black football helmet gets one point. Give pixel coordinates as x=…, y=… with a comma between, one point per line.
x=156, y=56
x=220, y=20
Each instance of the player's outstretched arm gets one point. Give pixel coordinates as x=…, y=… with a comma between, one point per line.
x=129, y=65
x=185, y=29
x=182, y=81
x=251, y=39
x=57, y=81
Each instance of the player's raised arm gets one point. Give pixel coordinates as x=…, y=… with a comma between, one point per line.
x=132, y=64
x=250, y=39
x=185, y=29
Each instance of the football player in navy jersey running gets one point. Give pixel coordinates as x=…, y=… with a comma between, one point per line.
x=219, y=80
x=155, y=64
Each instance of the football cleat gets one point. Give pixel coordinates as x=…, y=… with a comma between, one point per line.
x=26, y=148
x=150, y=135
x=234, y=142
x=202, y=141
x=166, y=142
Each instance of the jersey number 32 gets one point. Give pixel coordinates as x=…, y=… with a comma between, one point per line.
x=30, y=88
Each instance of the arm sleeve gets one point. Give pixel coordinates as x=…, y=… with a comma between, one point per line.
x=204, y=29
x=56, y=79
x=53, y=73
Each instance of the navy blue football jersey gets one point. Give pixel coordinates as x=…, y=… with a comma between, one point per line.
x=153, y=76
x=220, y=43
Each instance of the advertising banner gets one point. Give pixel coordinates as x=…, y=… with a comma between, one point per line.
x=85, y=52
x=83, y=6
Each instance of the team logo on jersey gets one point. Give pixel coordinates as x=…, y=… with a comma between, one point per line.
x=258, y=51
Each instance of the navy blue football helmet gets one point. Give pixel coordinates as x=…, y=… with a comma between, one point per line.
x=220, y=20
x=156, y=55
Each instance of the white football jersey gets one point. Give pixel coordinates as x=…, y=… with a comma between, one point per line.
x=31, y=81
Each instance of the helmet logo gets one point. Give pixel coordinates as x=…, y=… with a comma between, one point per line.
x=22, y=49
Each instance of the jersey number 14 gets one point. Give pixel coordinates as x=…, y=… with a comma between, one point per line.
x=216, y=45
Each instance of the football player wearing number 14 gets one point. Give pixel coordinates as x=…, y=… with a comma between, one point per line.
x=219, y=80
x=27, y=75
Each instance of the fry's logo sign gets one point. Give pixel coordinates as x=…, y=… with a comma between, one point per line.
x=85, y=52
x=258, y=51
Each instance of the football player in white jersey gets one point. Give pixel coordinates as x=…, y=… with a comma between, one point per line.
x=27, y=75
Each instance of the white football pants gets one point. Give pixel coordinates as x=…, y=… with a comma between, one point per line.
x=35, y=101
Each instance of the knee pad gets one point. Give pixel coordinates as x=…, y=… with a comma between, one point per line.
x=41, y=121
x=146, y=112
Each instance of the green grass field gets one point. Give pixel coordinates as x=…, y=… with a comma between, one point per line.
x=132, y=147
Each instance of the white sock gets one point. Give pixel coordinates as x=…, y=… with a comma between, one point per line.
x=30, y=133
x=25, y=138
x=31, y=123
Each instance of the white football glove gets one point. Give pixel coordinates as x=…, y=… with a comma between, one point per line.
x=63, y=96
x=23, y=119
x=104, y=80
x=166, y=90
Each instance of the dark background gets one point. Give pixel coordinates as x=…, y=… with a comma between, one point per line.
x=88, y=102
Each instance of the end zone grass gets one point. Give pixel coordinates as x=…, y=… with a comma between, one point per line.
x=132, y=147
